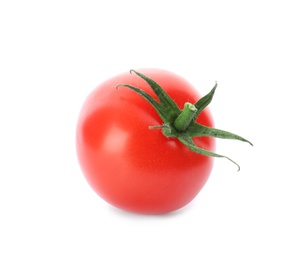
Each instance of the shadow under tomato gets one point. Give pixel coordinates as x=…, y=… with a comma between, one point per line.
x=132, y=215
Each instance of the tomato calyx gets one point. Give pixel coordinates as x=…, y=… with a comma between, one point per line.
x=181, y=124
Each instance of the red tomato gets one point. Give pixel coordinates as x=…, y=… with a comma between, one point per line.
x=131, y=166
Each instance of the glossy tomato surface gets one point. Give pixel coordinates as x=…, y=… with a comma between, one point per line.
x=131, y=166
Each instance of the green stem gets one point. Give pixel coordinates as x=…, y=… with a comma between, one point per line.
x=184, y=119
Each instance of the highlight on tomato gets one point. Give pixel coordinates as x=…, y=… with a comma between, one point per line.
x=146, y=141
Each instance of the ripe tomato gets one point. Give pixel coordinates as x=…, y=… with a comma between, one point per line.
x=131, y=166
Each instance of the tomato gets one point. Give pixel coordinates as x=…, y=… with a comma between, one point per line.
x=131, y=166
x=146, y=143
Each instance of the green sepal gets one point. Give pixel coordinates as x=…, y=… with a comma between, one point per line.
x=171, y=109
x=186, y=140
x=157, y=106
x=197, y=130
x=202, y=103
x=181, y=124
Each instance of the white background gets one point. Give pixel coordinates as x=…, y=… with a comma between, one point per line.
x=53, y=53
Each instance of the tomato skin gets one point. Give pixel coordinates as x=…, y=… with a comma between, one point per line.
x=131, y=166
